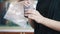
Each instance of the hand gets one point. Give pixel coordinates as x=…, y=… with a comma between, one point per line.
x=33, y=14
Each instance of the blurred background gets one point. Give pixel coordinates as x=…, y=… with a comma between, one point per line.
x=4, y=5
x=8, y=27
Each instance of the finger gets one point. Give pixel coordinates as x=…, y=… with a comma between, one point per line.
x=31, y=12
x=27, y=3
x=25, y=14
x=31, y=16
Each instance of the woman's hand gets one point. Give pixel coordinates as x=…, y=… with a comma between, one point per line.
x=33, y=14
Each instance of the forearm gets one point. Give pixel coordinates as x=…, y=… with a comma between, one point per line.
x=50, y=23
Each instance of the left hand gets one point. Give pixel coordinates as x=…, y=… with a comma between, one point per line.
x=33, y=14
